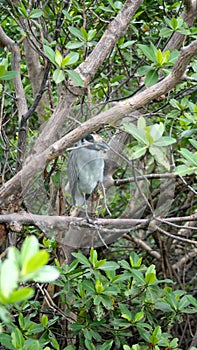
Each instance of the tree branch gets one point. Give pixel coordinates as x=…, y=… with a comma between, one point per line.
x=13, y=186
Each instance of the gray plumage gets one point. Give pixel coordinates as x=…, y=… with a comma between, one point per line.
x=85, y=168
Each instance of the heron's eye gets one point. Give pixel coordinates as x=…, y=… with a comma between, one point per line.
x=89, y=138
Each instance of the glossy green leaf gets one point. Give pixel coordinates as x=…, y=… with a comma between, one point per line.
x=75, y=77
x=58, y=76
x=93, y=256
x=109, y=265
x=84, y=33
x=138, y=316
x=99, y=287
x=193, y=142
x=189, y=156
x=9, y=275
x=17, y=338
x=159, y=57
x=148, y=51
x=70, y=59
x=150, y=276
x=74, y=45
x=82, y=259
x=76, y=32
x=2, y=70
x=159, y=156
x=46, y=274
x=29, y=248
x=151, y=77
x=36, y=13
x=9, y=75
x=138, y=152
x=50, y=54
x=58, y=58
x=106, y=345
x=20, y=295
x=164, y=141
x=91, y=34
x=138, y=134
x=35, y=262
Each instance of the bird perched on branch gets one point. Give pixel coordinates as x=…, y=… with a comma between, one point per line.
x=85, y=168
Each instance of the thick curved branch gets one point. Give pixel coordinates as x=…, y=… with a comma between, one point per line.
x=13, y=186
x=116, y=29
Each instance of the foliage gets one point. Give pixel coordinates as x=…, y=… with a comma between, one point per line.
x=149, y=138
x=114, y=303
x=128, y=306
x=26, y=265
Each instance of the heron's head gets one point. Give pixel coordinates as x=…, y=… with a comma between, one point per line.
x=95, y=142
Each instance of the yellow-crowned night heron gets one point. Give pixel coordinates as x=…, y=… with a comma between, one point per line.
x=85, y=168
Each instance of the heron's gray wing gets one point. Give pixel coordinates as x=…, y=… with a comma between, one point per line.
x=73, y=174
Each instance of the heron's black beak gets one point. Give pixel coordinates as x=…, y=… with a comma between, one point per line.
x=102, y=146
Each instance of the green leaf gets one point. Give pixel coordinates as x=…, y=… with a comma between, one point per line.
x=58, y=58
x=17, y=338
x=138, y=316
x=143, y=70
x=159, y=57
x=159, y=156
x=154, y=338
x=84, y=33
x=106, y=345
x=35, y=262
x=29, y=248
x=9, y=75
x=76, y=32
x=46, y=274
x=58, y=76
x=109, y=265
x=150, y=276
x=5, y=340
x=138, y=134
x=99, y=286
x=164, y=141
x=74, y=45
x=166, y=56
x=174, y=23
x=182, y=170
x=93, y=256
x=148, y=51
x=165, y=32
x=22, y=10
x=156, y=131
x=174, y=103
x=191, y=157
x=135, y=260
x=141, y=123
x=138, y=152
x=70, y=59
x=82, y=259
x=20, y=295
x=151, y=77
x=193, y=143
x=75, y=77
x=44, y=320
x=32, y=344
x=50, y=54
x=2, y=70
x=91, y=34
x=36, y=13
x=9, y=275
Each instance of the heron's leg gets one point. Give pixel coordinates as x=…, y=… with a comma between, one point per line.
x=105, y=199
x=86, y=208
